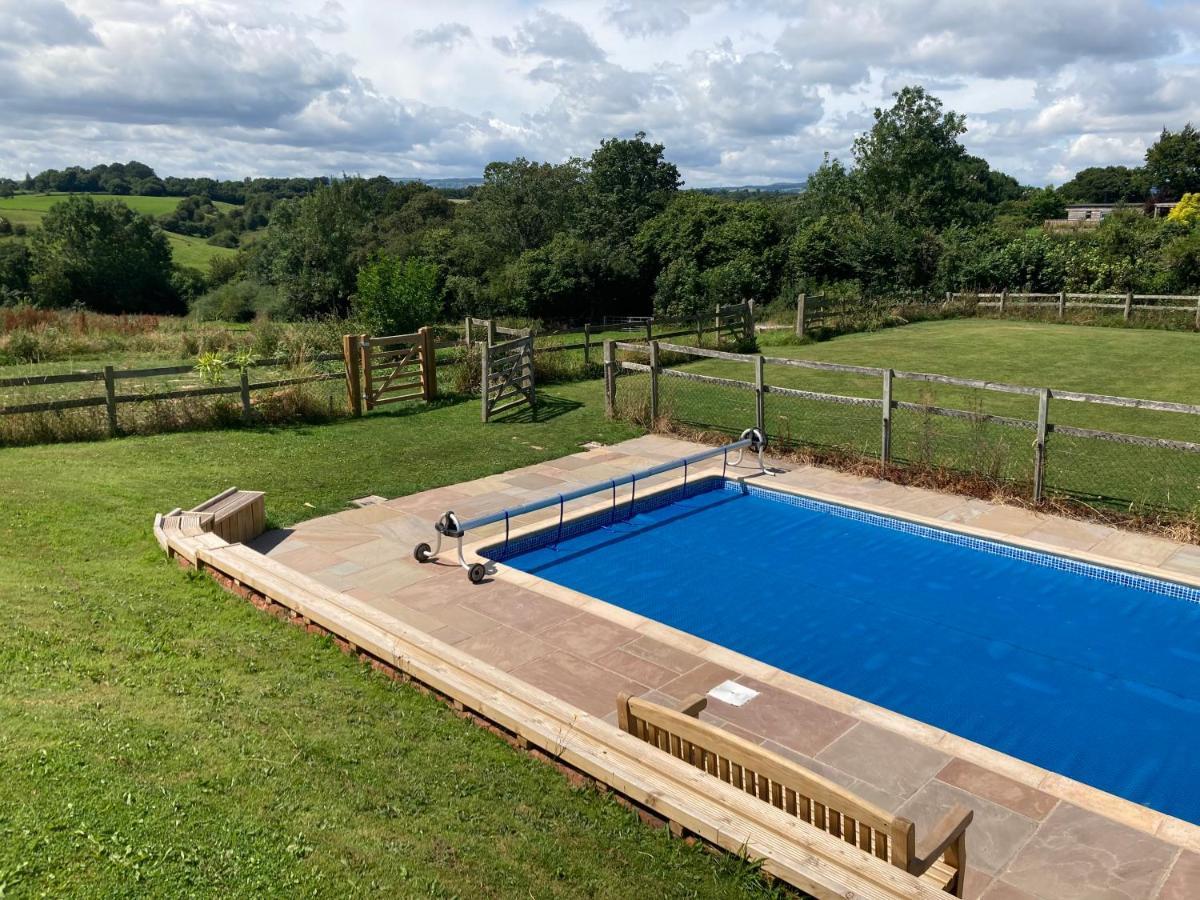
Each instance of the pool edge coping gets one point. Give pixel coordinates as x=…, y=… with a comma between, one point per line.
x=1171, y=829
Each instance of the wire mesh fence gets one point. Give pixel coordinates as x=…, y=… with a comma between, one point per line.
x=850, y=427
x=973, y=433
x=1117, y=475
x=987, y=435
x=703, y=406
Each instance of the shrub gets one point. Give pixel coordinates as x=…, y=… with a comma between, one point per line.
x=398, y=296
x=234, y=301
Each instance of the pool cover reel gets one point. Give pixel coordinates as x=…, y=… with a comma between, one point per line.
x=450, y=526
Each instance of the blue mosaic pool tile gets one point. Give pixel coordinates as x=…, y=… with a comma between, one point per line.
x=997, y=548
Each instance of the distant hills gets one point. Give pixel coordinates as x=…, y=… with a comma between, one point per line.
x=448, y=183
x=775, y=187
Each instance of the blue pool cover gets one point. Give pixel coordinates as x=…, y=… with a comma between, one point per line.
x=1087, y=672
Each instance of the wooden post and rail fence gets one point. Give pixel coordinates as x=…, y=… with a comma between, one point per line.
x=113, y=398
x=819, y=309
x=1041, y=427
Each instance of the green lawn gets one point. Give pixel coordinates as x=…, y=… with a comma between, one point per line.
x=1157, y=365
x=28, y=209
x=158, y=735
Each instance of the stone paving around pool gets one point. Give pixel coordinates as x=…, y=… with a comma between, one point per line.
x=1035, y=834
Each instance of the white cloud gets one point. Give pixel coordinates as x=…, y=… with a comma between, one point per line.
x=552, y=36
x=645, y=18
x=443, y=36
x=738, y=90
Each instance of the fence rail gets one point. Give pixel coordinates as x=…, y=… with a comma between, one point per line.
x=995, y=451
x=1128, y=304
x=111, y=377
x=819, y=309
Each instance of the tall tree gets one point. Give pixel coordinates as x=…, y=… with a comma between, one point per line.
x=1107, y=184
x=912, y=165
x=315, y=246
x=522, y=205
x=629, y=182
x=103, y=255
x=1173, y=163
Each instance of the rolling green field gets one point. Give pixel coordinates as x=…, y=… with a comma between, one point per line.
x=151, y=206
x=28, y=210
x=160, y=736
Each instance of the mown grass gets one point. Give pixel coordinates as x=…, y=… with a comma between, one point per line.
x=160, y=736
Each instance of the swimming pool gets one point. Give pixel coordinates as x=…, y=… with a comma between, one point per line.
x=1090, y=672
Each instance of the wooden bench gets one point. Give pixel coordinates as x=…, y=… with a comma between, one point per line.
x=940, y=860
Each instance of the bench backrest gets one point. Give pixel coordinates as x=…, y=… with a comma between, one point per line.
x=769, y=776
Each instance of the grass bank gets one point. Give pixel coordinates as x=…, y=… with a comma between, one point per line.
x=159, y=735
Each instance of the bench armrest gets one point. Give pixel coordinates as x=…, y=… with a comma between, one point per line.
x=949, y=830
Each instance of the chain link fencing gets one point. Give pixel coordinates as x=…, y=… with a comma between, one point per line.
x=979, y=435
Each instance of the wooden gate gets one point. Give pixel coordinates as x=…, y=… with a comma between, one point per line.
x=735, y=323
x=393, y=369
x=507, y=377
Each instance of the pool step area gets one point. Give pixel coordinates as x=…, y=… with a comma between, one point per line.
x=690, y=799
x=233, y=516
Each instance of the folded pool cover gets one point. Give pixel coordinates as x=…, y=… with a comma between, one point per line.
x=1095, y=678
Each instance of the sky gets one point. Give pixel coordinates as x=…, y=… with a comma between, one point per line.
x=739, y=92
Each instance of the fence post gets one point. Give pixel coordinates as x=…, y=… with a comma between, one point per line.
x=650, y=329
x=748, y=320
x=491, y=331
x=885, y=444
x=485, y=376
x=587, y=344
x=610, y=378
x=1198, y=313
x=428, y=364
x=350, y=353
x=1003, y=300
x=110, y=399
x=653, y=385
x=532, y=390
x=1062, y=304
x=800, y=298
x=1128, y=305
x=760, y=393
x=467, y=332
x=1039, y=446
x=364, y=348
x=245, y=383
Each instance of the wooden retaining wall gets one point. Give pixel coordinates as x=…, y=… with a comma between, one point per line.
x=691, y=800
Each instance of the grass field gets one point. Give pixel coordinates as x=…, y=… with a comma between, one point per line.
x=160, y=736
x=28, y=210
x=152, y=206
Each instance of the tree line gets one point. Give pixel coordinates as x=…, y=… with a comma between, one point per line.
x=617, y=233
